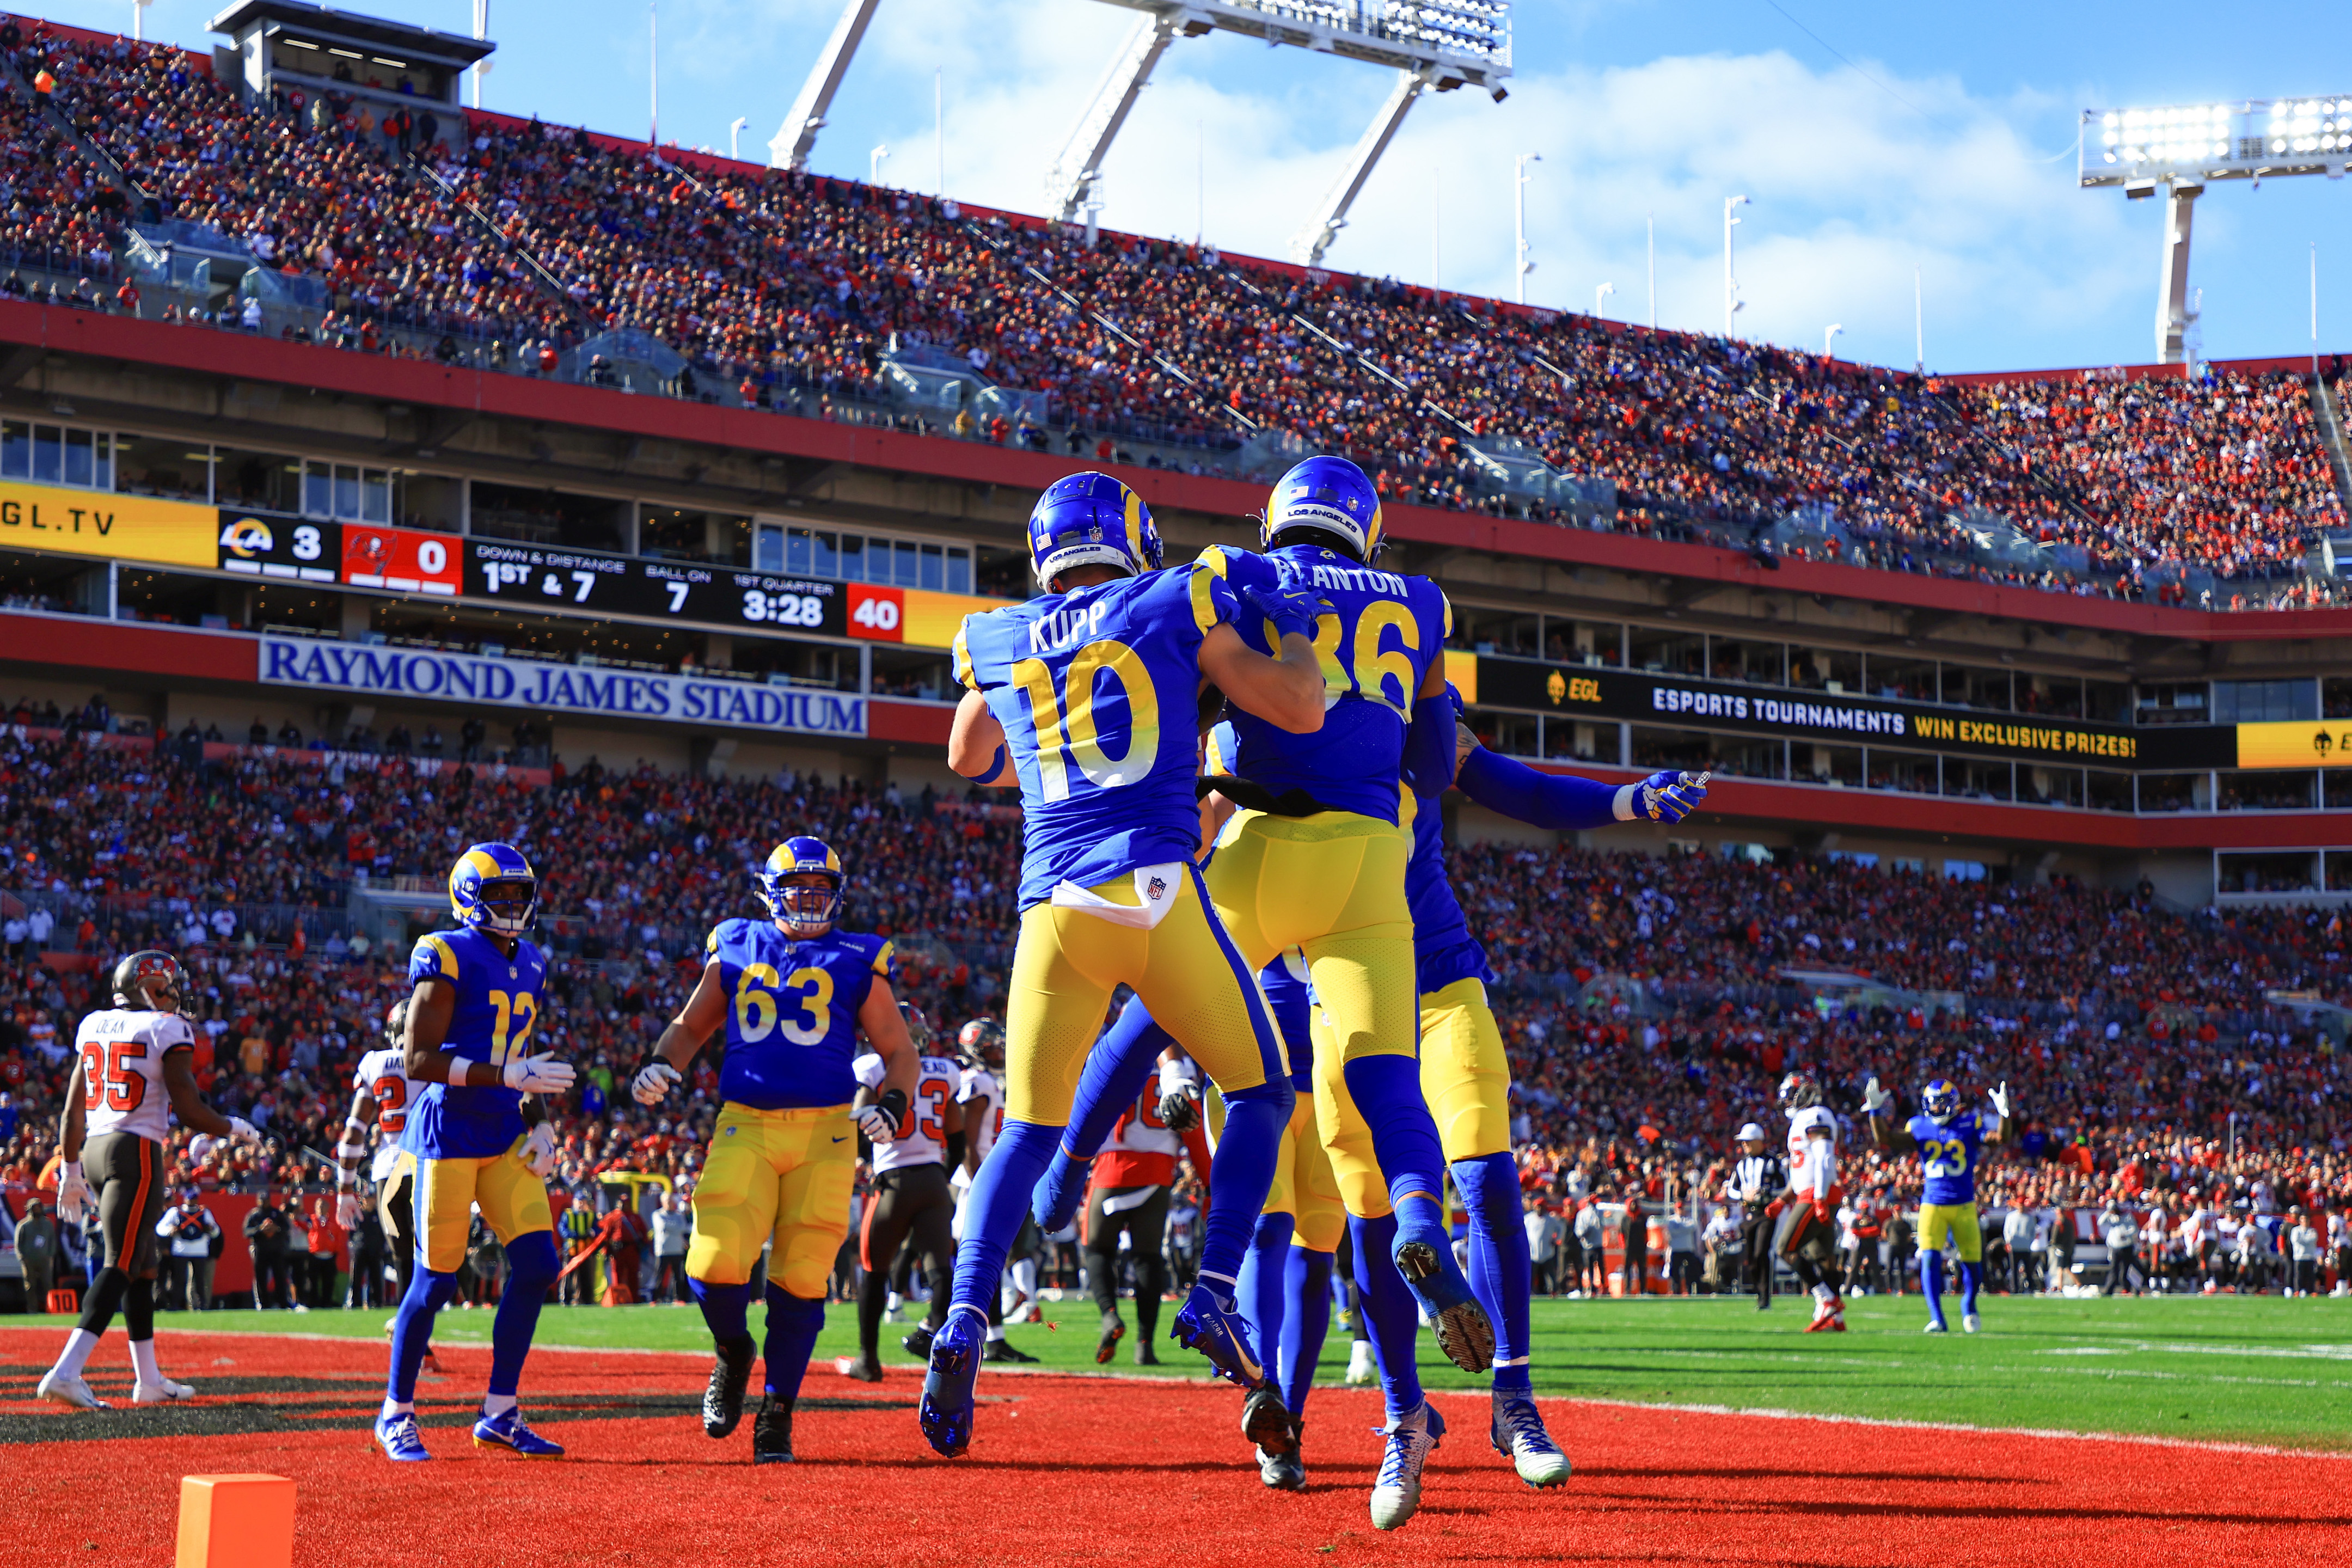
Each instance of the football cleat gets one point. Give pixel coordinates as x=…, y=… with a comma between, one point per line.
x=164, y=1392
x=1144, y=1354
x=919, y=1343
x=946, y=1413
x=722, y=1400
x=1114, y=1329
x=1359, y=1363
x=1518, y=1433
x=1005, y=1352
x=772, y=1433
x=68, y=1390
x=507, y=1431
x=1936, y=1326
x=1455, y=1316
x=398, y=1438
x=1282, y=1472
x=1970, y=1322
x=1267, y=1422
x=1411, y=1438
x=860, y=1368
x=1218, y=1332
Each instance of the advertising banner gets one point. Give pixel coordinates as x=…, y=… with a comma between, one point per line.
x=112, y=527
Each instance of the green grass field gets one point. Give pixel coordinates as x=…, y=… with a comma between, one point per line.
x=2260, y=1370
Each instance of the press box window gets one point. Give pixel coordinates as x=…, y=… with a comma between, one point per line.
x=346, y=492
x=55, y=454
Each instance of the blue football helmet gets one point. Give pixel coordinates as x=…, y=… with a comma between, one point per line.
x=801, y=910
x=1091, y=520
x=1331, y=494
x=492, y=888
x=1940, y=1100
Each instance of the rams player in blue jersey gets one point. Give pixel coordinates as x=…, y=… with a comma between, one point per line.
x=793, y=992
x=1088, y=696
x=1950, y=1143
x=472, y=1009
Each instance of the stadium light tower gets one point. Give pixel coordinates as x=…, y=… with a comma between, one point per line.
x=2183, y=148
x=789, y=149
x=1519, y=217
x=1731, y=301
x=1440, y=44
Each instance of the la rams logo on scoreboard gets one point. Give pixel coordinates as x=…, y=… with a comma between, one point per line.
x=300, y=552
x=247, y=538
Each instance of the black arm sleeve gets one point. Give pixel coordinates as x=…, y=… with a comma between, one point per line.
x=955, y=1150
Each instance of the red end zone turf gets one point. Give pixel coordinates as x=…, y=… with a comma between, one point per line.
x=1084, y=1472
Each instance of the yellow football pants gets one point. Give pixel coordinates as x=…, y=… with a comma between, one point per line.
x=513, y=1203
x=1331, y=885
x=1303, y=1186
x=1945, y=1224
x=1465, y=1074
x=1069, y=962
x=779, y=1175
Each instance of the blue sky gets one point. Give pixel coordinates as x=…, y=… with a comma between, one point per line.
x=1872, y=139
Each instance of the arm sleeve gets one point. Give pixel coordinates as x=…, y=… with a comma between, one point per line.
x=1557, y=801
x=1429, y=746
x=867, y=1069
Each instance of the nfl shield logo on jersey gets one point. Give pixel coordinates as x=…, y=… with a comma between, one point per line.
x=1158, y=888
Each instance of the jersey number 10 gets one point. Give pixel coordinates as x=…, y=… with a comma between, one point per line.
x=1082, y=742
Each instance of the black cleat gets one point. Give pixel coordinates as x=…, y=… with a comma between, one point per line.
x=771, y=1432
x=722, y=1401
x=863, y=1367
x=1114, y=1329
x=1267, y=1422
x=1282, y=1472
x=1144, y=1354
x=1006, y=1351
x=919, y=1343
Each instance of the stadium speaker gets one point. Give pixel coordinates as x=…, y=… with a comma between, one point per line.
x=2137, y=190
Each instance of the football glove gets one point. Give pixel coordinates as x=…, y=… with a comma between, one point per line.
x=238, y=1127
x=347, y=1209
x=545, y=1073
x=881, y=1121
x=538, y=1151
x=1179, y=1107
x=1290, y=610
x=73, y=1192
x=654, y=1081
x=1874, y=1098
x=2000, y=1098
x=1825, y=1211
x=1670, y=796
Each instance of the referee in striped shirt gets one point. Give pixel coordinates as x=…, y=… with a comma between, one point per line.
x=1756, y=1179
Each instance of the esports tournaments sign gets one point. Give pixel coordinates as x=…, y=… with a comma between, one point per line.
x=392, y=674
x=1845, y=719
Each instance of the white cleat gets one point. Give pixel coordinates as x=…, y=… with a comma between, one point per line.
x=1970, y=1322
x=164, y=1392
x=70, y=1392
x=1359, y=1363
x=1518, y=1433
x=1935, y=1329
x=1411, y=1438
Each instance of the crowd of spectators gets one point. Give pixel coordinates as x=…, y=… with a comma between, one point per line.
x=775, y=284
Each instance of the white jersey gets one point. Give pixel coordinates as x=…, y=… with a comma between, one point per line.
x=1806, y=1150
x=983, y=1111
x=1140, y=1131
x=384, y=1078
x=122, y=1051
x=922, y=1138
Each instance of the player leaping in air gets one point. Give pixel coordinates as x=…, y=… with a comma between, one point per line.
x=131, y=1074
x=793, y=991
x=1950, y=1142
x=1088, y=695
x=473, y=1006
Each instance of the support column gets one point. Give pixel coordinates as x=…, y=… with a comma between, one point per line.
x=1088, y=144
x=2172, y=315
x=1330, y=215
x=790, y=149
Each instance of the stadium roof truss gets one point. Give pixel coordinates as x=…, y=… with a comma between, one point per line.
x=2182, y=147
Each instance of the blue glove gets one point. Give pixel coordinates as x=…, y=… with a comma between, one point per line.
x=1290, y=610
x=1669, y=796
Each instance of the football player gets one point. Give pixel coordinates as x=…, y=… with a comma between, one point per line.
x=1088, y=695
x=1807, y=1212
x=380, y=1099
x=468, y=1052
x=980, y=1047
x=792, y=991
x=132, y=1075
x=1949, y=1143
x=1129, y=1195
x=911, y=1204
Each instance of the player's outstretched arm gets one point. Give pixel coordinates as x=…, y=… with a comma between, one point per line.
x=1286, y=692
x=2001, y=1103
x=1561, y=801
x=188, y=1101
x=976, y=744
x=1874, y=1101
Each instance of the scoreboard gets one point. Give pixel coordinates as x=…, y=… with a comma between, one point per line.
x=581, y=581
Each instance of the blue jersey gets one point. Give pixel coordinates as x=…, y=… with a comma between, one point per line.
x=1097, y=690
x=498, y=1009
x=1386, y=630
x=1948, y=1157
x=1443, y=950
x=1291, y=999
x=791, y=1012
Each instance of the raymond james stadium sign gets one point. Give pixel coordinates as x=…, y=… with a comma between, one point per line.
x=392, y=673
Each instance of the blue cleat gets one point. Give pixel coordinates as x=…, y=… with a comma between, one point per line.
x=398, y=1438
x=1054, y=1202
x=1218, y=1332
x=1409, y=1440
x=1463, y=1330
x=1516, y=1430
x=507, y=1431
x=946, y=1408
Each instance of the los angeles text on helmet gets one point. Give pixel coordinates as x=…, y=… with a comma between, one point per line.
x=1863, y=719
x=527, y=683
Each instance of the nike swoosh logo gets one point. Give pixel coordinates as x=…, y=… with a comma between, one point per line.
x=841, y=1140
